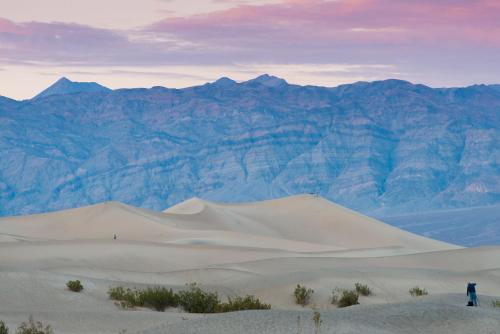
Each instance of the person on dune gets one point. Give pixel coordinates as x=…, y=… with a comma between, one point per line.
x=471, y=293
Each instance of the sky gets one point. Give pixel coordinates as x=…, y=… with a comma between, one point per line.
x=180, y=43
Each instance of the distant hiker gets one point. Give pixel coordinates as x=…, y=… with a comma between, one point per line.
x=471, y=293
x=114, y=237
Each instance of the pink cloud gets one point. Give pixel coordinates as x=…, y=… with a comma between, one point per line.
x=352, y=22
x=68, y=43
x=36, y=41
x=424, y=37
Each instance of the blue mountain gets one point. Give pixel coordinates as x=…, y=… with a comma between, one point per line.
x=66, y=86
x=385, y=148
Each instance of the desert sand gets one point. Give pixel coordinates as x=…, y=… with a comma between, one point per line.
x=264, y=248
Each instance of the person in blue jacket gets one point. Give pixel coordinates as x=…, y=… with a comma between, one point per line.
x=471, y=293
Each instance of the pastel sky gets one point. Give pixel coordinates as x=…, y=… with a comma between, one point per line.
x=178, y=43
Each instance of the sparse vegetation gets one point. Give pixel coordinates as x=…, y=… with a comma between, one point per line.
x=317, y=322
x=195, y=300
x=495, y=303
x=3, y=328
x=363, y=289
x=417, y=292
x=75, y=286
x=32, y=327
x=242, y=303
x=303, y=295
x=348, y=298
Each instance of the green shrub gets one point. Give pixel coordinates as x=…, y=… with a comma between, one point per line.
x=494, y=303
x=195, y=300
x=348, y=298
x=75, y=286
x=303, y=295
x=242, y=303
x=126, y=298
x=158, y=298
x=3, y=328
x=363, y=289
x=417, y=292
x=32, y=327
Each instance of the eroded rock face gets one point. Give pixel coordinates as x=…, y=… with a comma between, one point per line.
x=381, y=147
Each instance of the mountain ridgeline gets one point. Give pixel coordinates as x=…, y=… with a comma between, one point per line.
x=383, y=147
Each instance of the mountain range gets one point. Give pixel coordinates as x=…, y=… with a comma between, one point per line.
x=384, y=148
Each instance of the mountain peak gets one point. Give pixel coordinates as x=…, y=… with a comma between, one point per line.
x=63, y=80
x=224, y=82
x=66, y=86
x=269, y=81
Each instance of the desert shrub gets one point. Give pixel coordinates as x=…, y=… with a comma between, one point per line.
x=417, y=292
x=126, y=298
x=302, y=295
x=195, y=300
x=192, y=299
x=3, y=328
x=75, y=286
x=242, y=303
x=363, y=289
x=348, y=298
x=158, y=298
x=32, y=327
x=494, y=303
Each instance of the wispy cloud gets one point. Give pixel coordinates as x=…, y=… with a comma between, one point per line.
x=309, y=31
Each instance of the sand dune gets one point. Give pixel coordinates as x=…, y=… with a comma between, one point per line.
x=262, y=248
x=298, y=223
x=304, y=218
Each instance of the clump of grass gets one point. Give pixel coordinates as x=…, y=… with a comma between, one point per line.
x=348, y=298
x=242, y=303
x=494, y=303
x=3, y=328
x=317, y=322
x=195, y=300
x=417, y=292
x=362, y=289
x=336, y=295
x=32, y=327
x=303, y=295
x=75, y=286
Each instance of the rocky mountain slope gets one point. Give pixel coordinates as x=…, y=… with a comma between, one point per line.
x=382, y=148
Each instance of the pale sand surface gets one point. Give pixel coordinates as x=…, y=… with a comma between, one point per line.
x=263, y=248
